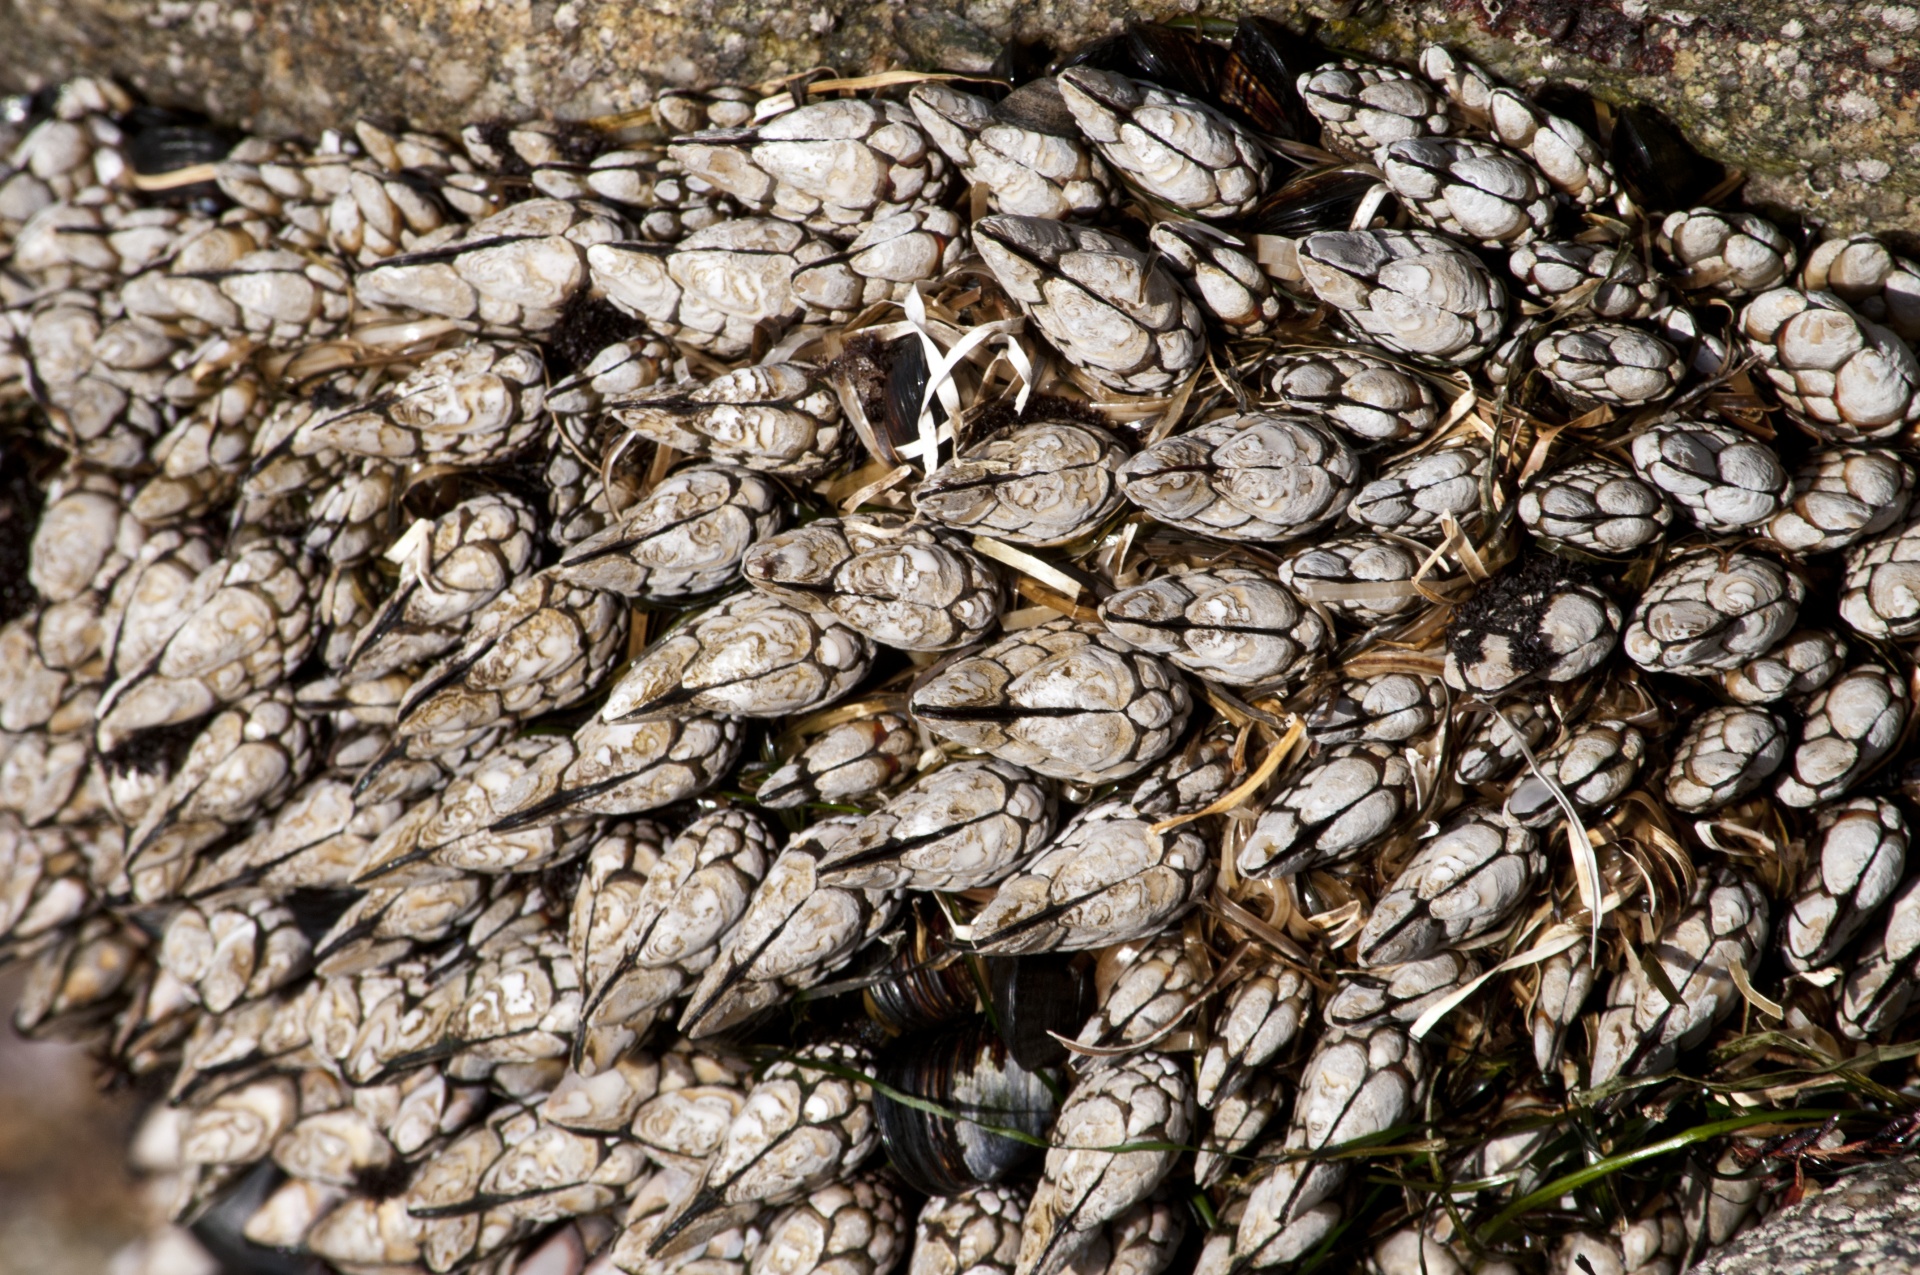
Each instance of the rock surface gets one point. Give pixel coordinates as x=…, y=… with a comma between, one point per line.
x=1819, y=102
x=1866, y=1222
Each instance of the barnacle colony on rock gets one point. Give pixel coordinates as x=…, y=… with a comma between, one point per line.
x=1004, y=677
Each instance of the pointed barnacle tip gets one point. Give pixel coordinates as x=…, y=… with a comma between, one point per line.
x=696, y=1021
x=375, y=767
x=519, y=819
x=419, y=854
x=671, y=1240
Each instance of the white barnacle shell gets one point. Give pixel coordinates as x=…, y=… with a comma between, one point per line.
x=686, y=536
x=471, y=405
x=1042, y=483
x=713, y=287
x=1861, y=856
x=1232, y=624
x=1144, y=1098
x=1724, y=754
x=797, y=929
x=514, y=269
x=1329, y=810
x=1408, y=290
x=1844, y=377
x=900, y=585
x=1176, y=149
x=1842, y=495
x=1108, y=307
x=779, y=418
x=1470, y=189
x=1709, y=611
x=1642, y=1028
x=1064, y=699
x=751, y=655
x=1456, y=887
x=1110, y=877
x=960, y=827
x=1850, y=724
x=1253, y=476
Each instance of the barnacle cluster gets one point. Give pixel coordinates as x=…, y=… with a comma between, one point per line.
x=999, y=675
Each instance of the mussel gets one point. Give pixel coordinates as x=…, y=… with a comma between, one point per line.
x=1022, y=59
x=1655, y=162
x=1264, y=64
x=1251, y=79
x=1320, y=199
x=907, y=376
x=1170, y=57
x=969, y=1073
x=1037, y=999
x=1029, y=1000
x=882, y=384
x=927, y=983
x=221, y=1226
x=161, y=141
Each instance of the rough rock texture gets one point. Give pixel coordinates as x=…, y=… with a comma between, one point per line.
x=1867, y=1222
x=1820, y=102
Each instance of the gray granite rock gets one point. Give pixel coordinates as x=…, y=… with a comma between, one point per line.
x=1868, y=1221
x=1819, y=101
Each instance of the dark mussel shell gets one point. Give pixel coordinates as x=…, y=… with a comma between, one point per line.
x=885, y=380
x=23, y=472
x=1660, y=170
x=28, y=109
x=927, y=982
x=161, y=141
x=969, y=1072
x=1321, y=199
x=315, y=910
x=1037, y=995
x=907, y=376
x=1571, y=104
x=1258, y=79
x=1023, y=59
x=221, y=1227
x=1176, y=59
x=1172, y=58
x=1038, y=106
